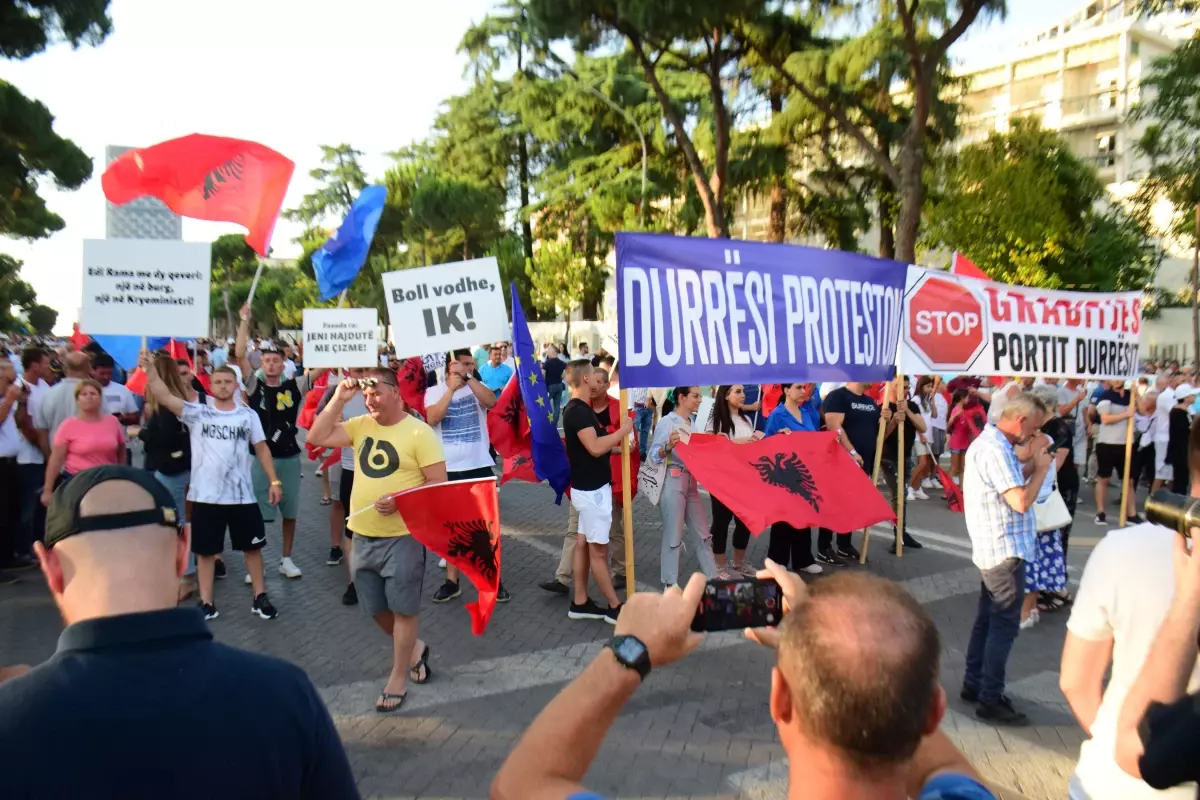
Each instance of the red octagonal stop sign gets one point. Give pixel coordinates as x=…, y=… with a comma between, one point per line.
x=946, y=323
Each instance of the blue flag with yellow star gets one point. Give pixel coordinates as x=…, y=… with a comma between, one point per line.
x=547, y=451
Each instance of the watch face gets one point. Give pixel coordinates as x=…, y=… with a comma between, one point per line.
x=629, y=650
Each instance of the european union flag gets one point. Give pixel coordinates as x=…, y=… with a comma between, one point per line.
x=549, y=455
x=338, y=261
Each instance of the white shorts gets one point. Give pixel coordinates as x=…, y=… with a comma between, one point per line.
x=1162, y=470
x=595, y=513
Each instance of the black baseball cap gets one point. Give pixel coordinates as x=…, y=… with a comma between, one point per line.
x=63, y=519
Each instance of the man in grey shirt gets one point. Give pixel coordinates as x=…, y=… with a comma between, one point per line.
x=58, y=403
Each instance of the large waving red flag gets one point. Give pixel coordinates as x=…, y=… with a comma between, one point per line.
x=207, y=177
x=460, y=521
x=805, y=479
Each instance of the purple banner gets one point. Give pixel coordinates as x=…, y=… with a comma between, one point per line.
x=703, y=312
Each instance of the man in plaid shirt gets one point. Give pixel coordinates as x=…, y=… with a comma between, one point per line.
x=999, y=492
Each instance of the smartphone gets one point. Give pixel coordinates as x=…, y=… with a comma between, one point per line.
x=733, y=605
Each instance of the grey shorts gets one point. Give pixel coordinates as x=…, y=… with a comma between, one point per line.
x=388, y=573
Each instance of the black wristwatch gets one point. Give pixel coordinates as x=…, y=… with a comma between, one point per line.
x=631, y=653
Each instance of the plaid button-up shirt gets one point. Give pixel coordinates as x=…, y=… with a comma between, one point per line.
x=997, y=531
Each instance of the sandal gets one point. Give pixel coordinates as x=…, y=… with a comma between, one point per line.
x=326, y=501
x=382, y=704
x=1051, y=603
x=420, y=672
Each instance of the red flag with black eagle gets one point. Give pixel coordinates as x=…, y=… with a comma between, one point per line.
x=460, y=521
x=954, y=495
x=508, y=425
x=411, y=377
x=805, y=479
x=207, y=177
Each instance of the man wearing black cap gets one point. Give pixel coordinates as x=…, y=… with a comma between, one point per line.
x=132, y=671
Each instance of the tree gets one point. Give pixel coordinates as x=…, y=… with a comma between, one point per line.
x=449, y=211
x=561, y=279
x=14, y=293
x=1029, y=212
x=42, y=319
x=1170, y=142
x=340, y=180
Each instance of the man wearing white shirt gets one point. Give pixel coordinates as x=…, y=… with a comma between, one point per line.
x=1163, y=404
x=31, y=469
x=11, y=392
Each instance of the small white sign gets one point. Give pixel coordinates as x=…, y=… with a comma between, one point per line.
x=145, y=287
x=340, y=337
x=446, y=307
x=434, y=362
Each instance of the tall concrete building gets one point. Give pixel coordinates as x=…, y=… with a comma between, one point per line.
x=144, y=218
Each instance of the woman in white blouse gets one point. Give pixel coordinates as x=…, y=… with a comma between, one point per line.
x=729, y=420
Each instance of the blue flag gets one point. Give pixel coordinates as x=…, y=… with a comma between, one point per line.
x=338, y=261
x=547, y=452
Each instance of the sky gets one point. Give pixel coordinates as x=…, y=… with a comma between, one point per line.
x=292, y=74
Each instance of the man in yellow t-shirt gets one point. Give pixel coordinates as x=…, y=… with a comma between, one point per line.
x=393, y=451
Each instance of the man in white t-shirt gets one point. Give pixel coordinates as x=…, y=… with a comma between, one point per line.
x=1164, y=401
x=31, y=462
x=457, y=412
x=1123, y=598
x=221, y=490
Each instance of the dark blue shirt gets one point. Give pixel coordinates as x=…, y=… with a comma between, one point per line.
x=553, y=368
x=129, y=706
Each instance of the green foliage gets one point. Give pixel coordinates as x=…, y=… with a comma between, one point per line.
x=561, y=278
x=232, y=259
x=1028, y=212
x=340, y=178
x=42, y=319
x=451, y=212
x=14, y=294
x=27, y=27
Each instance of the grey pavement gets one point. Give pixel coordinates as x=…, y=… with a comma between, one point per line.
x=698, y=729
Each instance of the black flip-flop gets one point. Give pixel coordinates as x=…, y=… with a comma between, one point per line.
x=416, y=668
x=384, y=697
x=326, y=501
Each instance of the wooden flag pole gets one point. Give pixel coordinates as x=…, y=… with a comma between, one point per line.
x=901, y=490
x=1127, y=484
x=887, y=398
x=254, y=283
x=627, y=501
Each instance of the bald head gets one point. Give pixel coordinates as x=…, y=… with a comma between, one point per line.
x=77, y=365
x=860, y=659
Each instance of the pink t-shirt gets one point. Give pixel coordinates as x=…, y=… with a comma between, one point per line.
x=90, y=444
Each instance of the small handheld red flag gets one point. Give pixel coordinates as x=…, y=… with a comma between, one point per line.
x=805, y=479
x=411, y=377
x=508, y=424
x=954, y=495
x=460, y=521
x=207, y=177
x=961, y=265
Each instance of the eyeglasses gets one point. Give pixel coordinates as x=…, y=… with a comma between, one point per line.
x=370, y=383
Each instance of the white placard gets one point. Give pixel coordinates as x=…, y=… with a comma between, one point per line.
x=340, y=337
x=145, y=287
x=446, y=307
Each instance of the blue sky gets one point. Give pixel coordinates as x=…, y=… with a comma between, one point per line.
x=292, y=75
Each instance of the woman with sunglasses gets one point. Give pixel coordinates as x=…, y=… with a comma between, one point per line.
x=680, y=504
x=800, y=411
x=729, y=420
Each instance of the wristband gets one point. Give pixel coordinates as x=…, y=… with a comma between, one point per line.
x=277, y=483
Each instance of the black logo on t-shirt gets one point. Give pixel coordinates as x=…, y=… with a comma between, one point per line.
x=472, y=540
x=377, y=463
x=210, y=430
x=788, y=472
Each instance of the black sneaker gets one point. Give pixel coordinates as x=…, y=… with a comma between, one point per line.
x=911, y=544
x=219, y=570
x=611, y=614
x=350, y=598
x=618, y=582
x=585, y=610
x=972, y=696
x=826, y=556
x=335, y=557
x=1101, y=518
x=447, y=592
x=1001, y=714
x=210, y=611
x=502, y=595
x=263, y=608
x=847, y=552
x=1134, y=520
x=554, y=587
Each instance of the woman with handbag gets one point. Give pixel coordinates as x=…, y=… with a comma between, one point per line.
x=729, y=420
x=1046, y=572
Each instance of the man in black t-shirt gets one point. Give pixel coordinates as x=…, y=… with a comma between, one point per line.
x=588, y=449
x=914, y=423
x=854, y=416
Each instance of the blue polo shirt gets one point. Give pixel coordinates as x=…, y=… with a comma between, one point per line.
x=495, y=378
x=134, y=705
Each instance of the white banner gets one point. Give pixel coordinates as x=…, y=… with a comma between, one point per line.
x=954, y=324
x=145, y=287
x=340, y=337
x=446, y=307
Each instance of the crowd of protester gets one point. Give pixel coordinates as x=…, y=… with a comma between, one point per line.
x=223, y=457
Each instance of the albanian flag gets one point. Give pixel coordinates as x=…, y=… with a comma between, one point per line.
x=954, y=495
x=961, y=265
x=508, y=424
x=805, y=479
x=207, y=177
x=460, y=521
x=411, y=377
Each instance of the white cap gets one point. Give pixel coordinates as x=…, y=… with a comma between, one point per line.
x=1185, y=390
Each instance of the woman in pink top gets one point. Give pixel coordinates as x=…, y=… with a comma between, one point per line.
x=91, y=438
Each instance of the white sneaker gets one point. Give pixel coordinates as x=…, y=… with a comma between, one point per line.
x=248, y=580
x=813, y=569
x=957, y=482
x=442, y=563
x=920, y=494
x=288, y=569
x=1033, y=619
x=929, y=483
x=911, y=495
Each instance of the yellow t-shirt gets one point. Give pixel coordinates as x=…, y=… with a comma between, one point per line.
x=387, y=459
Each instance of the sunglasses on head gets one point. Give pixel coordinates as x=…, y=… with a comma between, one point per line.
x=370, y=383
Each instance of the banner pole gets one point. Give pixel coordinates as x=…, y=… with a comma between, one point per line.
x=626, y=502
x=1127, y=485
x=901, y=489
x=887, y=398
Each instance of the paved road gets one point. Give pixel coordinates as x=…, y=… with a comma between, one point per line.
x=699, y=729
